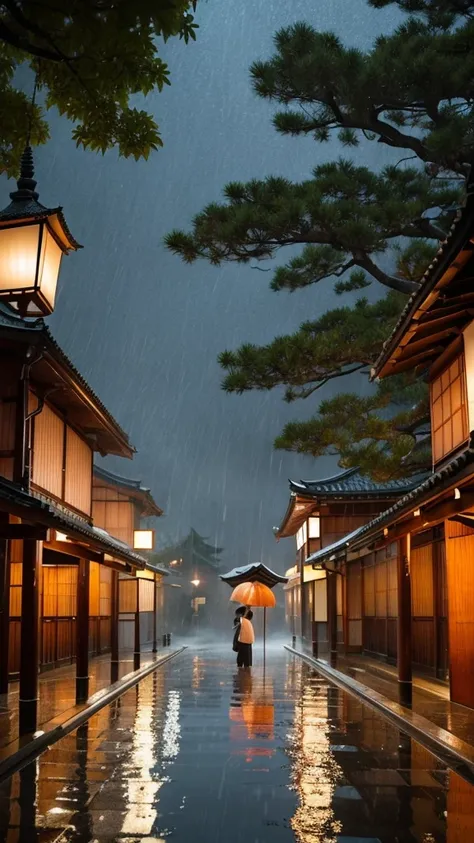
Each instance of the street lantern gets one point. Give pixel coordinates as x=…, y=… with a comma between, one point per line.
x=33, y=240
x=143, y=539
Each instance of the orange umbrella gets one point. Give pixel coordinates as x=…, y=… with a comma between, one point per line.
x=253, y=594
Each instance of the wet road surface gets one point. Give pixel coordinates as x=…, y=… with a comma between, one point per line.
x=202, y=752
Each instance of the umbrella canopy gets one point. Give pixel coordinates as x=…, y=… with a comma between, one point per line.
x=255, y=572
x=253, y=594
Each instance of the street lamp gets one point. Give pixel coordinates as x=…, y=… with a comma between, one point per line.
x=33, y=240
x=195, y=582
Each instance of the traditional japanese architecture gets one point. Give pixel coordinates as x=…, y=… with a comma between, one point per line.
x=319, y=513
x=119, y=506
x=410, y=572
x=59, y=571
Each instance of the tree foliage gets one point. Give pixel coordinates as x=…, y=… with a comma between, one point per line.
x=89, y=57
x=412, y=91
x=345, y=217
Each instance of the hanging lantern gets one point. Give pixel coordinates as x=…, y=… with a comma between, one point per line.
x=33, y=240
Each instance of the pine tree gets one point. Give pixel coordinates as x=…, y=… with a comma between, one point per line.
x=89, y=58
x=413, y=92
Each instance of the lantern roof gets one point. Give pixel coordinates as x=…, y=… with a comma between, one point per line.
x=25, y=205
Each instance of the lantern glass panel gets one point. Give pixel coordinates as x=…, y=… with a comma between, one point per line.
x=18, y=257
x=50, y=261
x=143, y=540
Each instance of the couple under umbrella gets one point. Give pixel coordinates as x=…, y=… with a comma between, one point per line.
x=244, y=636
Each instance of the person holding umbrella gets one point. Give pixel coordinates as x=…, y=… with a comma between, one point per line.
x=245, y=639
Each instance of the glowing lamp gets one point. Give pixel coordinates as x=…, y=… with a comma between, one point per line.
x=143, y=539
x=61, y=537
x=457, y=494
x=195, y=583
x=33, y=240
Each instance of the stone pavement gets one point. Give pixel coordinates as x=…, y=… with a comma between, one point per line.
x=430, y=697
x=200, y=752
x=57, y=690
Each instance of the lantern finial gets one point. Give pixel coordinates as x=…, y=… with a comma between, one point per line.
x=26, y=183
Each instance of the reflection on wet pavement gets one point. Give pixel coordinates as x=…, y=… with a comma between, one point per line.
x=202, y=752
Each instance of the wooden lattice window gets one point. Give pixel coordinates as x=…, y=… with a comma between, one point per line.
x=449, y=410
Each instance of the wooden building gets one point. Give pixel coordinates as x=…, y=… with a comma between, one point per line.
x=410, y=571
x=60, y=565
x=320, y=513
x=119, y=506
x=59, y=571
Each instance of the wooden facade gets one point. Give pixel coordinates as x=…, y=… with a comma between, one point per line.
x=59, y=600
x=320, y=606
x=409, y=572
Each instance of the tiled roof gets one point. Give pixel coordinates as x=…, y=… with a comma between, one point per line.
x=11, y=320
x=135, y=487
x=459, y=232
x=333, y=549
x=352, y=482
x=44, y=512
x=445, y=476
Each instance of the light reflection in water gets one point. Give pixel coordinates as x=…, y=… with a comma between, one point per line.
x=172, y=728
x=252, y=715
x=315, y=772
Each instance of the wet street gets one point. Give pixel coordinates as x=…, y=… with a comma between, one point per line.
x=202, y=752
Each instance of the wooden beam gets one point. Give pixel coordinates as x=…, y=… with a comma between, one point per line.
x=24, y=531
x=413, y=362
x=29, y=648
x=426, y=343
x=77, y=550
x=5, y=569
x=114, y=628
x=82, y=632
x=155, y=606
x=404, y=617
x=428, y=517
x=136, y=646
x=424, y=329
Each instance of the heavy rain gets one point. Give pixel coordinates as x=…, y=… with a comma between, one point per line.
x=136, y=703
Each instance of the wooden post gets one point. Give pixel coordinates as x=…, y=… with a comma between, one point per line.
x=404, y=619
x=114, y=627
x=155, y=606
x=82, y=631
x=5, y=569
x=331, y=594
x=303, y=602
x=136, y=649
x=345, y=608
x=29, y=651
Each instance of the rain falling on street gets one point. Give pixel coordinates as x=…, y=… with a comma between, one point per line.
x=202, y=751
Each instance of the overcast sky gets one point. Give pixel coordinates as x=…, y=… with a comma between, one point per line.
x=145, y=329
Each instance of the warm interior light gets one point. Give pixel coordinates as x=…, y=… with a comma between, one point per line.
x=30, y=259
x=417, y=512
x=143, y=539
x=385, y=531
x=457, y=494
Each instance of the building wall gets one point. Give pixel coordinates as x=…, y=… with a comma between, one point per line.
x=61, y=459
x=114, y=512
x=468, y=335
x=460, y=581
